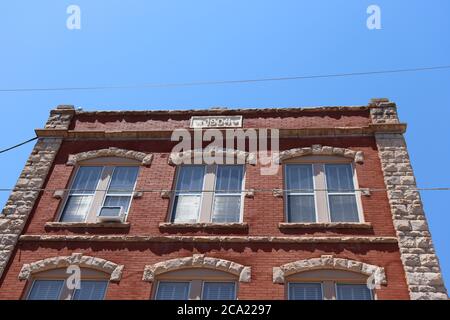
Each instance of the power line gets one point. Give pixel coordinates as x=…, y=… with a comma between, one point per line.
x=363, y=190
x=18, y=145
x=222, y=82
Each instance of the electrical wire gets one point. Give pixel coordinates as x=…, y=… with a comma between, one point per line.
x=18, y=145
x=224, y=82
x=363, y=190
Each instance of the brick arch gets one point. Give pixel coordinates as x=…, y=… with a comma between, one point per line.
x=113, y=269
x=144, y=158
x=317, y=149
x=177, y=158
x=328, y=262
x=197, y=261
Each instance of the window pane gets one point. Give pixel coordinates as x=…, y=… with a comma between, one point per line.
x=343, y=208
x=305, y=291
x=86, y=180
x=227, y=209
x=46, y=290
x=301, y=208
x=76, y=208
x=299, y=177
x=123, y=180
x=186, y=208
x=339, y=177
x=117, y=201
x=172, y=291
x=91, y=290
x=190, y=178
x=229, y=178
x=353, y=292
x=219, y=291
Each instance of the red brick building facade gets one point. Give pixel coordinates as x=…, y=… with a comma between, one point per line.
x=262, y=252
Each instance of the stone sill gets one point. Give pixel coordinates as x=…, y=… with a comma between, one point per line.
x=233, y=225
x=207, y=239
x=68, y=225
x=325, y=225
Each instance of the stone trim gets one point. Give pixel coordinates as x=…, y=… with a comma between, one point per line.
x=420, y=262
x=109, y=267
x=144, y=158
x=209, y=225
x=325, y=225
x=284, y=133
x=177, y=158
x=21, y=202
x=210, y=239
x=328, y=262
x=197, y=261
x=68, y=225
x=317, y=149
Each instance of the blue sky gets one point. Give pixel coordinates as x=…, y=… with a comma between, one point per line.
x=136, y=42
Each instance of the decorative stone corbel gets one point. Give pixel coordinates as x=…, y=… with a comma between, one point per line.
x=277, y=193
x=166, y=194
x=59, y=194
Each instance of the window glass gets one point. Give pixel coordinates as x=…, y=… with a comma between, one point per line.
x=172, y=291
x=305, y=291
x=353, y=292
x=219, y=291
x=81, y=194
x=227, y=199
x=300, y=193
x=341, y=193
x=46, y=290
x=186, y=207
x=91, y=290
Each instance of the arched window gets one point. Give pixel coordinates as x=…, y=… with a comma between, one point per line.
x=329, y=278
x=196, y=284
x=320, y=185
x=196, y=278
x=328, y=284
x=101, y=189
x=56, y=285
x=209, y=191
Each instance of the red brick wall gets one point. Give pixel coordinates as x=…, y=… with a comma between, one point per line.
x=262, y=213
x=302, y=119
x=261, y=257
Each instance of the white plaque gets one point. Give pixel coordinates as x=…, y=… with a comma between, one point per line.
x=216, y=122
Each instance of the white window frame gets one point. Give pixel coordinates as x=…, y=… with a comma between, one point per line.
x=372, y=294
x=322, y=206
x=99, y=197
x=329, y=288
x=196, y=287
x=60, y=274
x=207, y=199
x=315, y=282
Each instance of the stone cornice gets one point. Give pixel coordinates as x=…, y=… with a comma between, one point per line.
x=224, y=111
x=208, y=239
x=371, y=129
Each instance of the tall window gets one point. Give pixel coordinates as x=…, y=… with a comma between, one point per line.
x=321, y=192
x=195, y=289
x=208, y=194
x=99, y=191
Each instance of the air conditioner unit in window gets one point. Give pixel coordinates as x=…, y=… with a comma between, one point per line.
x=111, y=214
